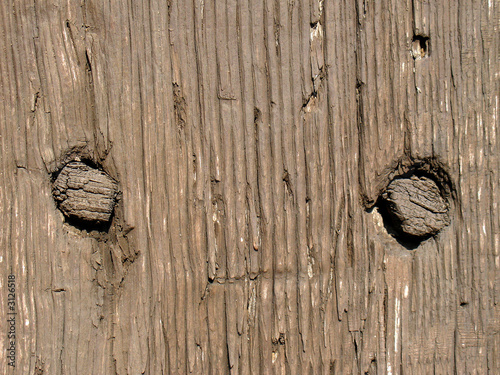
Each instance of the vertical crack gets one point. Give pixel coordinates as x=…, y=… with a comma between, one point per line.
x=359, y=105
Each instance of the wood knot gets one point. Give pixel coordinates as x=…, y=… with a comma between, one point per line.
x=85, y=194
x=415, y=207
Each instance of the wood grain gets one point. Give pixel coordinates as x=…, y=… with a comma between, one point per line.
x=251, y=141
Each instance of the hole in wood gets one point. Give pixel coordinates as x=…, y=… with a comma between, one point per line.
x=415, y=205
x=420, y=46
x=85, y=195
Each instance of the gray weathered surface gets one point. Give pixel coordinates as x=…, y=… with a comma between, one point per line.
x=249, y=137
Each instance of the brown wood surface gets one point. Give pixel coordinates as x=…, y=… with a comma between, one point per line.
x=250, y=140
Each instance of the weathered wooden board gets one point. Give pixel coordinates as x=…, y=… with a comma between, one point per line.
x=251, y=141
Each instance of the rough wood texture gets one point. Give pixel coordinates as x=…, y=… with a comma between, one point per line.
x=250, y=139
x=85, y=193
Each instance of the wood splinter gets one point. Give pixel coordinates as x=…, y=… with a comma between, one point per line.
x=84, y=193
